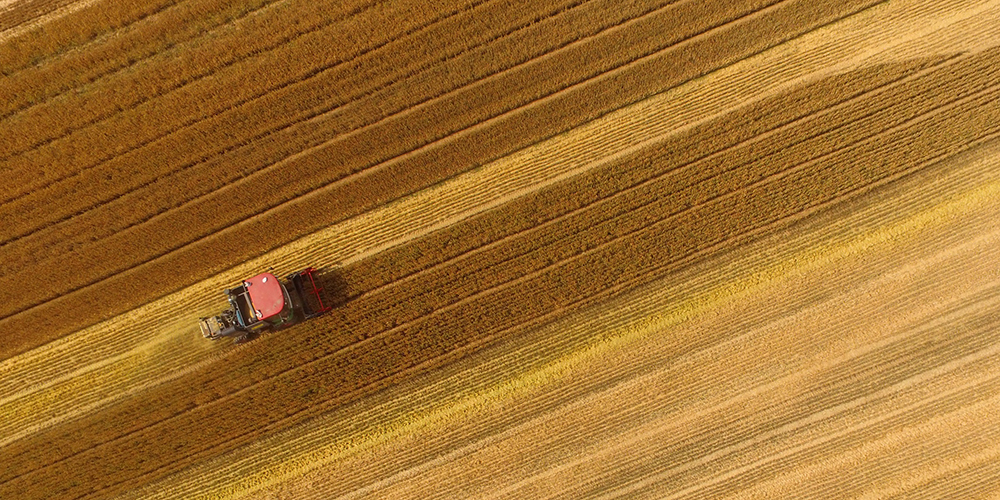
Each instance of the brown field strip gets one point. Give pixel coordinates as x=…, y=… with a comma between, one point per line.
x=171, y=190
x=590, y=249
x=153, y=34
x=386, y=60
x=392, y=180
x=30, y=45
x=492, y=311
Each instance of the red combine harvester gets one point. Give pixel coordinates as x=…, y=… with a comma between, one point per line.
x=264, y=303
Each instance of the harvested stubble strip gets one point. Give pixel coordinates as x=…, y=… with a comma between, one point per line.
x=720, y=133
x=174, y=87
x=460, y=153
x=635, y=257
x=302, y=94
x=197, y=178
x=83, y=26
x=143, y=39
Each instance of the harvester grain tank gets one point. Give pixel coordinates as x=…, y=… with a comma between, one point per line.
x=265, y=303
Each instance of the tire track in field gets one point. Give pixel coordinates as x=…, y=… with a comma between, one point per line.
x=530, y=316
x=516, y=356
x=218, y=247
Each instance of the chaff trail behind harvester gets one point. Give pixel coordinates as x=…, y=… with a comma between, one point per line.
x=265, y=303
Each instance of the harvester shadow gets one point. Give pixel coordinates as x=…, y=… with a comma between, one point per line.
x=333, y=285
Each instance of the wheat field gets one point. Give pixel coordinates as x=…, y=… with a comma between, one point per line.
x=576, y=248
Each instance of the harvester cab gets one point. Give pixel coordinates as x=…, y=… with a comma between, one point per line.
x=265, y=303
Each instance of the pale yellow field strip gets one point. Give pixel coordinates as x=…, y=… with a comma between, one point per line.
x=158, y=342
x=345, y=438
